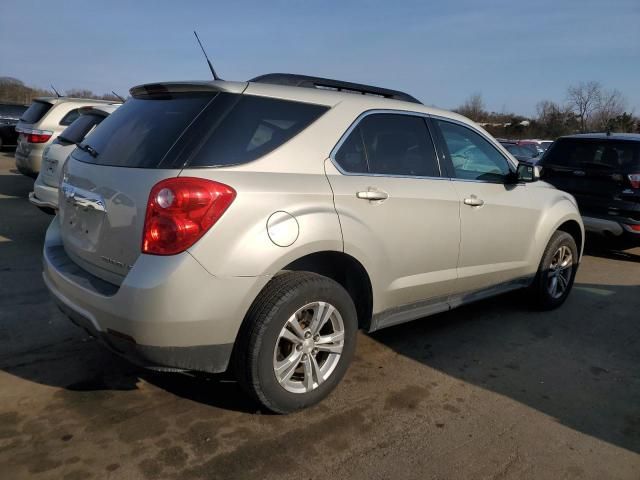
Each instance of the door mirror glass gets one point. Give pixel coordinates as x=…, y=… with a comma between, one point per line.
x=528, y=172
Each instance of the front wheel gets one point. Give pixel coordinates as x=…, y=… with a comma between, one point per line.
x=556, y=273
x=296, y=342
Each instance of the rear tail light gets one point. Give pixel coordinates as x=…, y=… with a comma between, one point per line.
x=634, y=178
x=635, y=228
x=37, y=136
x=180, y=211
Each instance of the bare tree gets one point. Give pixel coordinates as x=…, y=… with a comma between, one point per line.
x=584, y=99
x=473, y=108
x=610, y=107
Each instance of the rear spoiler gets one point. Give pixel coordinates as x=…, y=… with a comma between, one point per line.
x=166, y=89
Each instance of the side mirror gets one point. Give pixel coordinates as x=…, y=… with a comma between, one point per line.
x=527, y=172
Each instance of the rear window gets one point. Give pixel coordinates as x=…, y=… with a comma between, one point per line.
x=196, y=130
x=141, y=131
x=609, y=155
x=35, y=112
x=76, y=132
x=11, y=111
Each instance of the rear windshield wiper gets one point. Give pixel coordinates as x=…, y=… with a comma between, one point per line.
x=85, y=148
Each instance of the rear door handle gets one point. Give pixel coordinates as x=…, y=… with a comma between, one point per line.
x=372, y=195
x=474, y=201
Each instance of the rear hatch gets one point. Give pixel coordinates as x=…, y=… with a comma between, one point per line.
x=106, y=181
x=55, y=155
x=27, y=127
x=603, y=174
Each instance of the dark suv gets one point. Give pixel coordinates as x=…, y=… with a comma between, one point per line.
x=9, y=116
x=602, y=171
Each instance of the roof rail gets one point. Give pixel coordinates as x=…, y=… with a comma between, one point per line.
x=295, y=80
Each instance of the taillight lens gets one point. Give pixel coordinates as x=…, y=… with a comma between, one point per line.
x=634, y=178
x=180, y=211
x=38, y=137
x=635, y=228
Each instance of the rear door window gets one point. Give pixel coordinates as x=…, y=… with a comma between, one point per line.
x=35, y=112
x=389, y=144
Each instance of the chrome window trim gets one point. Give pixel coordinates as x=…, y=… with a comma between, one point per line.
x=375, y=111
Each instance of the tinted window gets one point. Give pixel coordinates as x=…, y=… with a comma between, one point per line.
x=473, y=157
x=12, y=111
x=70, y=117
x=594, y=154
x=76, y=132
x=238, y=129
x=35, y=112
x=389, y=144
x=142, y=130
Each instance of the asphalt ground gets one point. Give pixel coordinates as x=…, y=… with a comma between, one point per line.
x=491, y=390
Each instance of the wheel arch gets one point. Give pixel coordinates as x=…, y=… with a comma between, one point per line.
x=347, y=271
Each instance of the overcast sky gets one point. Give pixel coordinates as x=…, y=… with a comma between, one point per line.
x=514, y=53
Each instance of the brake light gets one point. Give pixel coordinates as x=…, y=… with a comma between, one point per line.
x=634, y=178
x=180, y=211
x=635, y=228
x=38, y=137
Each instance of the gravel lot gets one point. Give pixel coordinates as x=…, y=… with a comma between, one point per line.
x=492, y=390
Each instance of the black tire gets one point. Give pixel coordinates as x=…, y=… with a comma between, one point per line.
x=539, y=291
x=254, y=350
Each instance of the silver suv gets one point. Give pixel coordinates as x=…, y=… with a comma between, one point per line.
x=54, y=156
x=257, y=226
x=43, y=121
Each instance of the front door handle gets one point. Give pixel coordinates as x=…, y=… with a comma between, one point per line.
x=474, y=201
x=372, y=195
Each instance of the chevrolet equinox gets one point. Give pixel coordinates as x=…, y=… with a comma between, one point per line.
x=256, y=226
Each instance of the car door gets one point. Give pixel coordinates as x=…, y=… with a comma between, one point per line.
x=398, y=215
x=498, y=218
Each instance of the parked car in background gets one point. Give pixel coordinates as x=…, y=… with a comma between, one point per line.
x=257, y=225
x=523, y=153
x=41, y=123
x=540, y=145
x=9, y=116
x=45, y=191
x=603, y=173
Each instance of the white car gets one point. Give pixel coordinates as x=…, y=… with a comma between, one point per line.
x=45, y=193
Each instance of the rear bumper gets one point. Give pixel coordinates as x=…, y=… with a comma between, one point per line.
x=614, y=230
x=29, y=164
x=44, y=196
x=169, y=313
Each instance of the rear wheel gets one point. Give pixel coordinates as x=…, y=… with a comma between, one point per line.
x=297, y=341
x=556, y=272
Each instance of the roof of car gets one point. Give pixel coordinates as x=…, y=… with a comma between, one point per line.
x=611, y=136
x=322, y=96
x=56, y=100
x=108, y=108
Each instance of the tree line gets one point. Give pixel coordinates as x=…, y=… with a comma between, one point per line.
x=13, y=90
x=587, y=107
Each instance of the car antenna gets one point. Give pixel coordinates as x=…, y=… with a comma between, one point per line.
x=213, y=72
x=54, y=89
x=123, y=100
